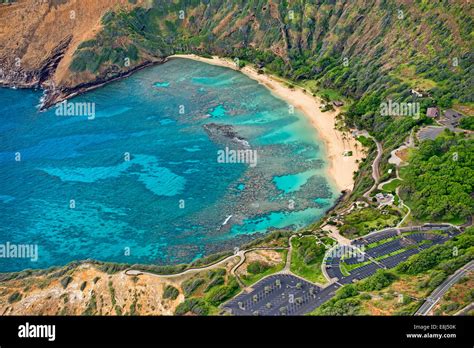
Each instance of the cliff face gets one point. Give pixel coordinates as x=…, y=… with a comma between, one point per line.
x=356, y=46
x=85, y=290
x=38, y=39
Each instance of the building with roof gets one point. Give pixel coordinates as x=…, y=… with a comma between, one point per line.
x=432, y=112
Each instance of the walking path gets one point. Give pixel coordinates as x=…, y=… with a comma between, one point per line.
x=375, y=164
x=240, y=254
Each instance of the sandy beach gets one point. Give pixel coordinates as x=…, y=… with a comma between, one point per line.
x=340, y=167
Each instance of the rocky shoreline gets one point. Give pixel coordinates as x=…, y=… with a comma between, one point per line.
x=59, y=94
x=32, y=79
x=41, y=78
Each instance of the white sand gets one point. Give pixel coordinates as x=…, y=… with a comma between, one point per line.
x=341, y=168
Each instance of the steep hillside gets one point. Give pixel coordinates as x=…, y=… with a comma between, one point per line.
x=367, y=51
x=38, y=38
x=358, y=46
x=86, y=290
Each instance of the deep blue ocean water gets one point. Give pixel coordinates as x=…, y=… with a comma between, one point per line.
x=75, y=194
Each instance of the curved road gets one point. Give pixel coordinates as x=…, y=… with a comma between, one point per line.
x=375, y=164
x=443, y=288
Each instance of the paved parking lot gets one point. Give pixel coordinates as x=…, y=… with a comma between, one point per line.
x=280, y=294
x=332, y=267
x=376, y=237
x=286, y=294
x=379, y=250
x=421, y=236
x=360, y=273
x=394, y=260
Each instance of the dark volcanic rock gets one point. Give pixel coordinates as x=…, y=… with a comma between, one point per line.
x=224, y=133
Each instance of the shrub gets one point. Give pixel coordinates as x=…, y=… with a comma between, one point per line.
x=437, y=277
x=170, y=292
x=193, y=305
x=214, y=282
x=348, y=306
x=65, y=281
x=191, y=285
x=257, y=267
x=377, y=281
x=218, y=272
x=346, y=291
x=222, y=293
x=15, y=297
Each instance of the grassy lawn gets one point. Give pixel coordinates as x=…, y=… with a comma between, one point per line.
x=396, y=252
x=432, y=232
x=250, y=279
x=306, y=259
x=363, y=221
x=349, y=268
x=380, y=242
x=344, y=271
x=328, y=241
x=391, y=186
x=383, y=241
x=407, y=73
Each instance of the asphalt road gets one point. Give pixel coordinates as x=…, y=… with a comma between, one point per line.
x=443, y=288
x=375, y=166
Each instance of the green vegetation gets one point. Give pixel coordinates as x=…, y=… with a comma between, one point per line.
x=221, y=293
x=307, y=258
x=91, y=308
x=439, y=180
x=112, y=293
x=205, y=292
x=448, y=256
x=391, y=186
x=219, y=280
x=191, y=285
x=170, y=292
x=467, y=123
x=256, y=267
x=363, y=78
x=258, y=270
x=344, y=303
x=366, y=142
x=379, y=280
x=194, y=305
x=324, y=69
x=216, y=277
x=347, y=268
x=361, y=222
x=14, y=297
x=459, y=296
x=433, y=265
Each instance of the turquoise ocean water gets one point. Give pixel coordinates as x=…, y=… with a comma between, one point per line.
x=140, y=182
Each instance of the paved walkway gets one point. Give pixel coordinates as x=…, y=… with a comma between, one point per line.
x=375, y=165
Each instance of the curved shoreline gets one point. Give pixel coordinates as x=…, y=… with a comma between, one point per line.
x=340, y=167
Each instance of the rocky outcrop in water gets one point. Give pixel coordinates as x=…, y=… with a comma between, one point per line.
x=224, y=133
